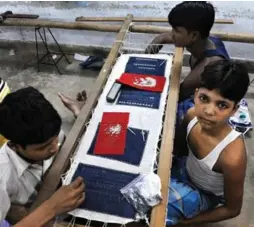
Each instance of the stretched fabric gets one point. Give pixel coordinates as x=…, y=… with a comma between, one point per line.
x=148, y=66
x=135, y=145
x=132, y=97
x=140, y=119
x=144, y=66
x=103, y=190
x=111, y=138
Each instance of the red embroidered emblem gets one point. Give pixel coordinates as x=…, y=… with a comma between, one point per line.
x=143, y=82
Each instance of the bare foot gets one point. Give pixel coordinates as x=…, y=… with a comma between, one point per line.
x=73, y=105
x=81, y=96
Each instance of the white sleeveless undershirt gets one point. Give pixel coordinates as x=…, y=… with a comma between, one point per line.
x=200, y=170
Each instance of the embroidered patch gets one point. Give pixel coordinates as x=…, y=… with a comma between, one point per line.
x=134, y=97
x=134, y=149
x=111, y=138
x=143, y=82
x=147, y=66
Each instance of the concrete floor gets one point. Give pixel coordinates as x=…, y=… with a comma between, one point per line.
x=20, y=71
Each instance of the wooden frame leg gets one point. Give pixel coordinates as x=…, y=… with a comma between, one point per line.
x=165, y=157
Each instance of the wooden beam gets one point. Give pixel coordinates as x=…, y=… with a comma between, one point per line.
x=232, y=37
x=143, y=19
x=52, y=179
x=165, y=157
x=62, y=25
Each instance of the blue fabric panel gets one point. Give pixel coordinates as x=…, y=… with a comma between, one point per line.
x=134, y=97
x=135, y=146
x=148, y=66
x=103, y=190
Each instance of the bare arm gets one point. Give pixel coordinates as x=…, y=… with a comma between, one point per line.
x=157, y=43
x=192, y=80
x=63, y=200
x=233, y=168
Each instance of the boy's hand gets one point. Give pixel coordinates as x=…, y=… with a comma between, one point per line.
x=153, y=48
x=156, y=45
x=68, y=197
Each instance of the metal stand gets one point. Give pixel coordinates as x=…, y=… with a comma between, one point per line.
x=50, y=56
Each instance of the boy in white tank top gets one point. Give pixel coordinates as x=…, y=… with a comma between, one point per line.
x=207, y=184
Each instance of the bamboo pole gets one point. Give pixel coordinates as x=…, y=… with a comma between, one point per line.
x=62, y=25
x=52, y=179
x=142, y=19
x=232, y=37
x=165, y=157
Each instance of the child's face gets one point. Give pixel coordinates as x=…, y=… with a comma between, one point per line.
x=182, y=38
x=39, y=152
x=212, y=110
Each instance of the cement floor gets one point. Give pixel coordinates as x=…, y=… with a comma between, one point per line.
x=20, y=71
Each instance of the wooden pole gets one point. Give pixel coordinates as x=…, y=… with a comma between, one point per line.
x=62, y=25
x=142, y=19
x=52, y=179
x=165, y=157
x=232, y=37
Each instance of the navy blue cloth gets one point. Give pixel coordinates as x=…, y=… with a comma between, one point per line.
x=103, y=190
x=134, y=97
x=147, y=66
x=134, y=150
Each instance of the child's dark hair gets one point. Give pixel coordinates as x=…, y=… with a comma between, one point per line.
x=229, y=78
x=193, y=16
x=27, y=117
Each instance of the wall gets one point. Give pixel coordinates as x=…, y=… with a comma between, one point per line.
x=242, y=12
